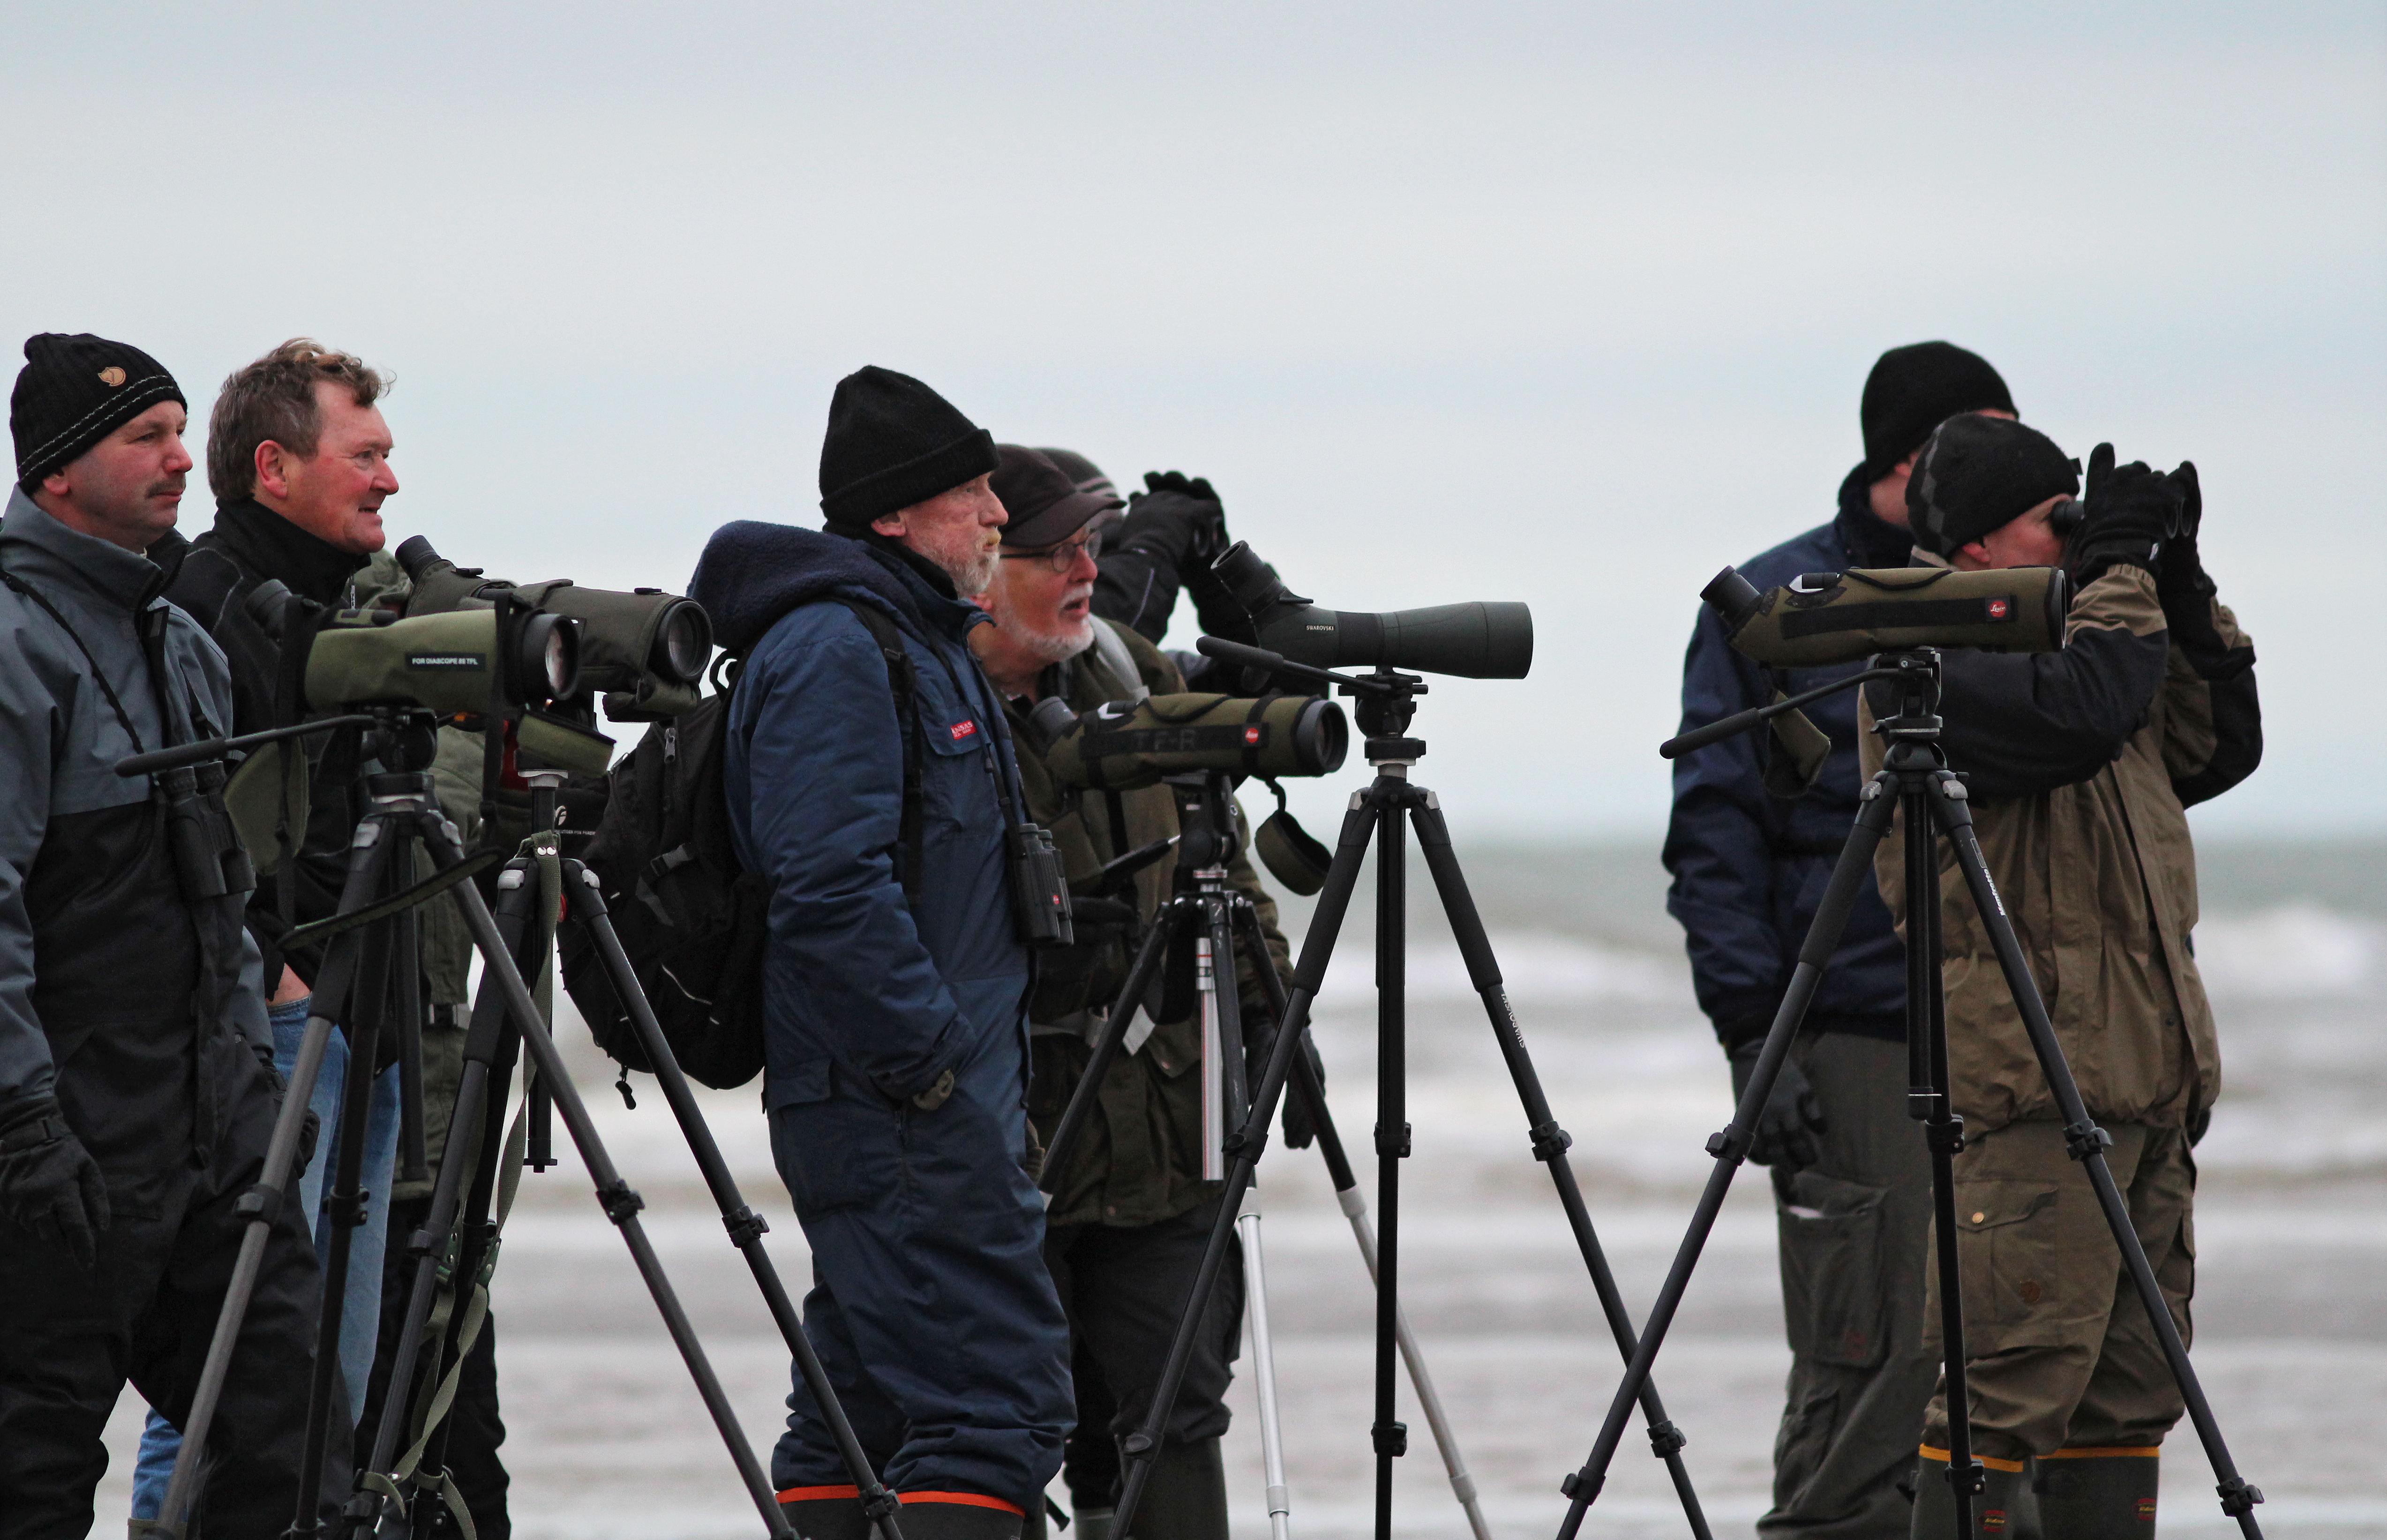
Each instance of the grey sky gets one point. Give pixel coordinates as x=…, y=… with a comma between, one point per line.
x=1567, y=304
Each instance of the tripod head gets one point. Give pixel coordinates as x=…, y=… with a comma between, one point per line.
x=1383, y=702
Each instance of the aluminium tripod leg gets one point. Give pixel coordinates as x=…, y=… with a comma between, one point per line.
x=1334, y=901
x=1549, y=1141
x=262, y=1203
x=1280, y=1498
x=746, y=1228
x=1355, y=1209
x=1729, y=1145
x=2088, y=1142
x=620, y=1202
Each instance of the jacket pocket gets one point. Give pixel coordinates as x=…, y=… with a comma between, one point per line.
x=1832, y=1297
x=834, y=1150
x=2007, y=1254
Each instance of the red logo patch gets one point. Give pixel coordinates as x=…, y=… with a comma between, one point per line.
x=963, y=730
x=1997, y=609
x=1252, y=736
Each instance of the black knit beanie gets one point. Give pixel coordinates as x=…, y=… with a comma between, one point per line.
x=1916, y=389
x=73, y=392
x=894, y=442
x=1979, y=473
x=1045, y=504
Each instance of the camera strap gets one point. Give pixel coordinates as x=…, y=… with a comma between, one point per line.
x=99, y=676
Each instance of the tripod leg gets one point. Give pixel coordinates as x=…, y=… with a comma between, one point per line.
x=1326, y=922
x=413, y=1163
x=746, y=1227
x=621, y=1203
x=1549, y=1141
x=1390, y=1437
x=1730, y=1144
x=368, y=1002
x=2088, y=1142
x=1930, y=1099
x=1090, y=1085
x=474, y=1153
x=1279, y=1500
x=263, y=1203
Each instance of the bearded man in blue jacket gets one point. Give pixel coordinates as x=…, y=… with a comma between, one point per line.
x=895, y=985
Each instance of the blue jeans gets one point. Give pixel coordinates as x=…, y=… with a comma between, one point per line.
x=361, y=1314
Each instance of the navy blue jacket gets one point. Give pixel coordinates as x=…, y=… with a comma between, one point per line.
x=1750, y=868
x=858, y=984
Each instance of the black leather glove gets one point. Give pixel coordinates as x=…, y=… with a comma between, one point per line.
x=2128, y=513
x=1787, y=1128
x=1183, y=517
x=50, y=1184
x=1098, y=922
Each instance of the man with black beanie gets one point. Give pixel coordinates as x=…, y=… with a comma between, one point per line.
x=1750, y=856
x=2079, y=765
x=137, y=1092
x=871, y=785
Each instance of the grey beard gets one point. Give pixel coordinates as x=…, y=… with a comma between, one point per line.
x=1055, y=647
x=972, y=574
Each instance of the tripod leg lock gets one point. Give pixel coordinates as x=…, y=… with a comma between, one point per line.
x=1137, y=1445
x=259, y=1202
x=348, y=1208
x=1238, y=1146
x=1968, y=1479
x=619, y=1201
x=880, y=1505
x=1729, y=1142
x=1550, y=1140
x=1383, y=1148
x=2086, y=1139
x=1944, y=1135
x=2239, y=1497
x=1575, y=1485
x=1392, y=1439
x=1666, y=1441
x=745, y=1227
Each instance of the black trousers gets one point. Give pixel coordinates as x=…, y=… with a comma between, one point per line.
x=475, y=1428
x=1123, y=1290
x=71, y=1339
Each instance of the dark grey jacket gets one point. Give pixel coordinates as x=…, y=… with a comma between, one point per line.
x=101, y=959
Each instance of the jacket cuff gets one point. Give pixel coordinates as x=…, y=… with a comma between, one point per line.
x=1742, y=1021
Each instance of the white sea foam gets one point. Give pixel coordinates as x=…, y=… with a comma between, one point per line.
x=2295, y=952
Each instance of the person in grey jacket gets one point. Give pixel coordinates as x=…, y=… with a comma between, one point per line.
x=137, y=1088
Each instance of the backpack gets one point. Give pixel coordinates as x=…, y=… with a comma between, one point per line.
x=693, y=921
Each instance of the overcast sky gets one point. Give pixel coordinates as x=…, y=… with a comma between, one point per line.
x=1562, y=303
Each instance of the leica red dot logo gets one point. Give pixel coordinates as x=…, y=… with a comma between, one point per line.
x=1997, y=609
x=1252, y=736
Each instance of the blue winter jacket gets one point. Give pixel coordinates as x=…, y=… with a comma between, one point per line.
x=1750, y=868
x=859, y=984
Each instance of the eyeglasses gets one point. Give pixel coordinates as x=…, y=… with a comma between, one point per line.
x=1062, y=558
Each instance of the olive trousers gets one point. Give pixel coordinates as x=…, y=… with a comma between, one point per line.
x=2059, y=1354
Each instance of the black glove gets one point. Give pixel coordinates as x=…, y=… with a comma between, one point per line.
x=1098, y=922
x=50, y=1184
x=1182, y=517
x=2128, y=513
x=2182, y=586
x=1787, y=1128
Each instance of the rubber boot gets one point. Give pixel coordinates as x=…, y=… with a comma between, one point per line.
x=2099, y=1494
x=2002, y=1511
x=827, y=1512
x=958, y=1516
x=1092, y=1523
x=1186, y=1496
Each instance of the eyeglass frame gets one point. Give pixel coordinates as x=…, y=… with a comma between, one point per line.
x=1091, y=543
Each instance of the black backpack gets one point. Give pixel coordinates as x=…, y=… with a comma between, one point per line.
x=692, y=919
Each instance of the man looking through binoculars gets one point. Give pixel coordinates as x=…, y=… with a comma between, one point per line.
x=1130, y=1214
x=2078, y=765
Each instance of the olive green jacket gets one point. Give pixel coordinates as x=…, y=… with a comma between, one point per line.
x=1138, y=1160
x=2099, y=876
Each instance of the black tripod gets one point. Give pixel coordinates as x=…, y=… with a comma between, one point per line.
x=489, y=1055
x=403, y=809
x=1914, y=779
x=1384, y=704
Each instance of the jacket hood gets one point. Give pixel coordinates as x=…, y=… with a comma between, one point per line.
x=1872, y=542
x=752, y=572
x=38, y=546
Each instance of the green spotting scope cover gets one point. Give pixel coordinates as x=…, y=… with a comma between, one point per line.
x=1127, y=744
x=1822, y=618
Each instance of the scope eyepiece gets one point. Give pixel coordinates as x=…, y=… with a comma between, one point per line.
x=416, y=557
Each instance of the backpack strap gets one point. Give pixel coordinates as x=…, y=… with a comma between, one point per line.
x=903, y=682
x=1120, y=660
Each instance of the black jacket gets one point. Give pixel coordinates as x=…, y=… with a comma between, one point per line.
x=208, y=580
